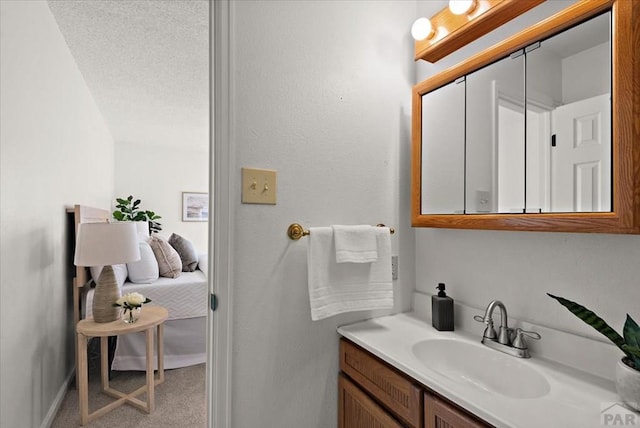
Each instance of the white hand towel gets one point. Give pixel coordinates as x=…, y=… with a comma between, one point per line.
x=337, y=288
x=355, y=244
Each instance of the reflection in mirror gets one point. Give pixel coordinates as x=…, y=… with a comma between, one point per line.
x=569, y=104
x=495, y=138
x=443, y=158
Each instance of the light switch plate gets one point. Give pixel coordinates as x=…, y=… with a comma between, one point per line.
x=258, y=186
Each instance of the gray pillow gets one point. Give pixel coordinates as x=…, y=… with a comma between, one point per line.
x=186, y=250
x=169, y=263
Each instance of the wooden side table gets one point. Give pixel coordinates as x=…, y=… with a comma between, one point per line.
x=150, y=317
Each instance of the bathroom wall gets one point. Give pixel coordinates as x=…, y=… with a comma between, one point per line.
x=321, y=93
x=598, y=270
x=55, y=151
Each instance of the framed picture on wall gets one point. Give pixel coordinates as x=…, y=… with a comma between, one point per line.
x=195, y=206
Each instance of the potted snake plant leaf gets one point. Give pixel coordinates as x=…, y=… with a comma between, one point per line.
x=628, y=368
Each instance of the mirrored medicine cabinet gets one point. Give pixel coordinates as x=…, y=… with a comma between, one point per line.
x=539, y=132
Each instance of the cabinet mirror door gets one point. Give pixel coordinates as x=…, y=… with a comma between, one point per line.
x=495, y=138
x=443, y=158
x=569, y=120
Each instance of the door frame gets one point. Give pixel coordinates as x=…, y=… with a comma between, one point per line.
x=536, y=102
x=221, y=185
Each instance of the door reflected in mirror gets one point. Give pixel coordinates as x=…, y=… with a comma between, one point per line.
x=495, y=138
x=569, y=89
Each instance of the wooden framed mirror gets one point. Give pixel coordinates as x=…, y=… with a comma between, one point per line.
x=619, y=211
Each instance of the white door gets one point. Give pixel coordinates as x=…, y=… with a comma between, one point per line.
x=581, y=157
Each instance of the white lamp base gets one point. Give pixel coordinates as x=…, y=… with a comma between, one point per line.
x=105, y=295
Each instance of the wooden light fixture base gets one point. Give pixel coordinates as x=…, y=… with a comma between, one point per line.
x=456, y=31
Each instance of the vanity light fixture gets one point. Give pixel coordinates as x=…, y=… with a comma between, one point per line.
x=422, y=29
x=462, y=22
x=462, y=7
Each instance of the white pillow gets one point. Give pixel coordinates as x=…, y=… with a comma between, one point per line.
x=119, y=270
x=143, y=230
x=145, y=270
x=203, y=262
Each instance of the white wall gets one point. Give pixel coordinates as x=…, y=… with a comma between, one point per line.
x=158, y=177
x=600, y=271
x=55, y=151
x=320, y=93
x=584, y=75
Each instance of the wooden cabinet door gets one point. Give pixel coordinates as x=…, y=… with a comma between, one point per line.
x=440, y=414
x=388, y=386
x=357, y=410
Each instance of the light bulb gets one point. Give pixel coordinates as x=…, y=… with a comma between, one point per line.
x=461, y=7
x=422, y=29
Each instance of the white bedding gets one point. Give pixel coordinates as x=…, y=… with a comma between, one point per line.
x=186, y=299
x=184, y=345
x=184, y=296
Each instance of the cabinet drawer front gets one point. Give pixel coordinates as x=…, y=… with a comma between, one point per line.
x=392, y=389
x=440, y=414
x=357, y=410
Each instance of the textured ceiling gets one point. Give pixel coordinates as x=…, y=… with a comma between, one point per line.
x=146, y=63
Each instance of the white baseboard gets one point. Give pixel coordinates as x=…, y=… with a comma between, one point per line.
x=57, y=402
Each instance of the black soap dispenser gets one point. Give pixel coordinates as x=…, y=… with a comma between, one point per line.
x=442, y=310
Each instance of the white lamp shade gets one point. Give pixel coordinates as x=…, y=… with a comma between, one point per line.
x=100, y=244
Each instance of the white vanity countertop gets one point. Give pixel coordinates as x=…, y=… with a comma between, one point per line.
x=575, y=398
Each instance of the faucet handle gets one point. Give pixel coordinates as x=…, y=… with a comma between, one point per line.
x=478, y=318
x=489, y=332
x=519, y=341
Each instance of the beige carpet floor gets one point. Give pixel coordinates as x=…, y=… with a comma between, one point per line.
x=180, y=401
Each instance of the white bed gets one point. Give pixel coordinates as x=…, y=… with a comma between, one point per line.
x=185, y=297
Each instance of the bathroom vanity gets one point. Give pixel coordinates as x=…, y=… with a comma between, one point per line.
x=398, y=371
x=366, y=381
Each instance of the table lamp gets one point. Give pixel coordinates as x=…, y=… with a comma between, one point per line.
x=106, y=244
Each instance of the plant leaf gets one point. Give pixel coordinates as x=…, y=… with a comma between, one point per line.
x=118, y=215
x=631, y=333
x=121, y=201
x=633, y=353
x=633, y=350
x=592, y=319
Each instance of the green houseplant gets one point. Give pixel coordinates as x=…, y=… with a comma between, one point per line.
x=628, y=369
x=129, y=209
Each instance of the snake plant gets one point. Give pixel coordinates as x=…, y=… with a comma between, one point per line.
x=629, y=342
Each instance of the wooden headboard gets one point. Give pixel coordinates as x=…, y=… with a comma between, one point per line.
x=83, y=214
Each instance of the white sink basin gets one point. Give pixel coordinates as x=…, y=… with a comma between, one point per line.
x=487, y=369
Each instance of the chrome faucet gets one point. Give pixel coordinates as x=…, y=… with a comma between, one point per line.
x=490, y=332
x=504, y=341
